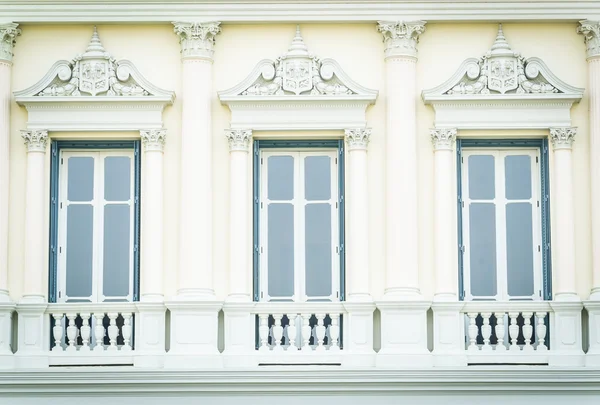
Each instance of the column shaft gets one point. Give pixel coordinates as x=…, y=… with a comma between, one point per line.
x=594, y=95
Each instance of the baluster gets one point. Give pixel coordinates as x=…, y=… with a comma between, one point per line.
x=486, y=330
x=320, y=329
x=334, y=332
x=72, y=333
x=473, y=331
x=513, y=330
x=527, y=330
x=500, y=330
x=291, y=331
x=57, y=332
x=277, y=332
x=540, y=331
x=99, y=331
x=263, y=332
x=306, y=331
x=113, y=331
x=85, y=331
x=126, y=331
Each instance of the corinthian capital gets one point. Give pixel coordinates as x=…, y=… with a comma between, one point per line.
x=8, y=38
x=443, y=138
x=35, y=140
x=153, y=139
x=591, y=35
x=357, y=138
x=239, y=139
x=562, y=138
x=197, y=39
x=401, y=38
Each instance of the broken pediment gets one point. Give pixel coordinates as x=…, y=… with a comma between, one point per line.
x=300, y=78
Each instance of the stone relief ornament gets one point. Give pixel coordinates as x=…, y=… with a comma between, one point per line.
x=8, y=37
x=503, y=71
x=297, y=72
x=591, y=35
x=94, y=73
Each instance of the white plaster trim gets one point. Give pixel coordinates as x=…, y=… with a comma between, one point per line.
x=276, y=10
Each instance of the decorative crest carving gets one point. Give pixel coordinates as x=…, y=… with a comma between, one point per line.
x=94, y=73
x=8, y=37
x=591, y=35
x=401, y=38
x=501, y=70
x=298, y=72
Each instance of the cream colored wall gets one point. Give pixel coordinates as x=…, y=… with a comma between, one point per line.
x=359, y=50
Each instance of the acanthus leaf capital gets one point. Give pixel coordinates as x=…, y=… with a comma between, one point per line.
x=239, y=139
x=400, y=37
x=443, y=138
x=197, y=39
x=8, y=38
x=357, y=138
x=153, y=139
x=591, y=35
x=563, y=137
x=35, y=140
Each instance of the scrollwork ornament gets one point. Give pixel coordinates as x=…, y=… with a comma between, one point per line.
x=401, y=38
x=591, y=35
x=153, y=139
x=197, y=39
x=563, y=138
x=239, y=139
x=357, y=138
x=8, y=38
x=443, y=138
x=35, y=140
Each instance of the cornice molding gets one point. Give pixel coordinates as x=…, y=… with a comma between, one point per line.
x=197, y=40
x=401, y=38
x=142, y=11
x=8, y=38
x=591, y=35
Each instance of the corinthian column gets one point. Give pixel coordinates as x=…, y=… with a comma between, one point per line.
x=591, y=33
x=195, y=267
x=8, y=34
x=402, y=271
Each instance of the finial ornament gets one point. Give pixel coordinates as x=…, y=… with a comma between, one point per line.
x=197, y=39
x=357, y=138
x=35, y=140
x=443, y=138
x=563, y=138
x=591, y=35
x=153, y=139
x=8, y=38
x=239, y=139
x=401, y=38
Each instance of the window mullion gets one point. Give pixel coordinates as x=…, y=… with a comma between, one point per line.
x=98, y=233
x=263, y=237
x=465, y=227
x=299, y=230
x=62, y=227
x=335, y=237
x=501, y=202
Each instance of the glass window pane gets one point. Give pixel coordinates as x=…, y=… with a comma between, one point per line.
x=280, y=230
x=518, y=177
x=318, y=260
x=80, y=181
x=519, y=249
x=117, y=249
x=482, y=238
x=481, y=177
x=280, y=177
x=117, y=178
x=317, y=177
x=79, y=250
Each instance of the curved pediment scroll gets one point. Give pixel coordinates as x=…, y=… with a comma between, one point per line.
x=502, y=78
x=302, y=79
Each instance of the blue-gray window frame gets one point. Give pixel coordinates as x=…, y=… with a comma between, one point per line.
x=283, y=144
x=56, y=147
x=542, y=144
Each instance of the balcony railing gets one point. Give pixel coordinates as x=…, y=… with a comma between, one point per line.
x=84, y=333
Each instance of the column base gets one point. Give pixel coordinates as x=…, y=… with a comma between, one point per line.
x=448, y=335
x=33, y=299
x=402, y=294
x=566, y=297
x=358, y=334
x=240, y=333
x=592, y=357
x=150, y=337
x=565, y=335
x=4, y=297
x=195, y=294
x=33, y=346
x=193, y=361
x=403, y=334
x=360, y=297
x=595, y=294
x=6, y=331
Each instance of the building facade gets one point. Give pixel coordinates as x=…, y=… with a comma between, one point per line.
x=371, y=202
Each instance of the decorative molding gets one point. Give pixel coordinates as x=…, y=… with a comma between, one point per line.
x=443, y=138
x=239, y=139
x=153, y=139
x=36, y=140
x=357, y=138
x=197, y=39
x=494, y=91
x=401, y=38
x=307, y=92
x=82, y=94
x=8, y=38
x=591, y=35
x=563, y=138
